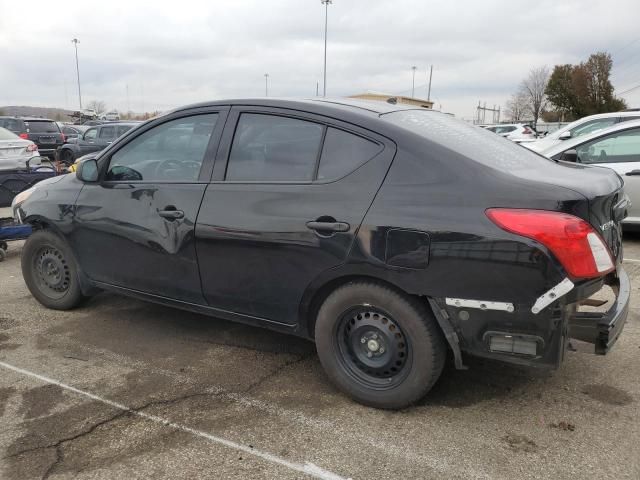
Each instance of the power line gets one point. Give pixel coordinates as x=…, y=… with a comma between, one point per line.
x=629, y=90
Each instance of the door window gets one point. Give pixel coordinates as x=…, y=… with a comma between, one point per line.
x=343, y=152
x=614, y=148
x=123, y=129
x=592, y=126
x=274, y=148
x=91, y=134
x=108, y=133
x=172, y=151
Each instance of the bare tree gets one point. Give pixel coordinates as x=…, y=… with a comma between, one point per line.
x=533, y=87
x=97, y=106
x=517, y=108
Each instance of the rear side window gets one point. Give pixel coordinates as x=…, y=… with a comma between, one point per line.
x=474, y=143
x=108, y=133
x=123, y=129
x=274, y=148
x=35, y=126
x=344, y=152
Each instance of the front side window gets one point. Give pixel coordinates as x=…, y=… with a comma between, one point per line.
x=344, y=152
x=91, y=134
x=274, y=148
x=172, y=151
x=615, y=148
x=592, y=126
x=108, y=133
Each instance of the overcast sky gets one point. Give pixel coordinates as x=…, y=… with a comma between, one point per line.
x=179, y=52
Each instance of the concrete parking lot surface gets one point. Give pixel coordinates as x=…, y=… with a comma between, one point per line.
x=125, y=389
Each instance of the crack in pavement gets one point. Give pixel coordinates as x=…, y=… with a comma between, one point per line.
x=214, y=392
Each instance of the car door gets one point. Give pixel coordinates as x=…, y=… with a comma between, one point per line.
x=135, y=227
x=619, y=151
x=87, y=143
x=288, y=195
x=106, y=136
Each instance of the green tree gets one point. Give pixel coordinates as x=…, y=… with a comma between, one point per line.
x=584, y=89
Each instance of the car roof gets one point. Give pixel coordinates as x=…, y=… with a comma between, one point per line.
x=112, y=124
x=35, y=119
x=567, y=144
x=321, y=105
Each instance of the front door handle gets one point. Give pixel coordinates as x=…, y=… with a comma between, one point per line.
x=632, y=173
x=171, y=214
x=328, y=226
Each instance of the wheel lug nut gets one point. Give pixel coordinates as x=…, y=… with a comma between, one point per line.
x=381, y=349
x=374, y=336
x=369, y=354
x=363, y=340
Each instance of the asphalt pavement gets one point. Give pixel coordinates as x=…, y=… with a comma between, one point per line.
x=125, y=389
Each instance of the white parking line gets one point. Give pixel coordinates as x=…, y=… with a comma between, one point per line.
x=307, y=468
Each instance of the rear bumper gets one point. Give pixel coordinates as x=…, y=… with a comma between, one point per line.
x=603, y=328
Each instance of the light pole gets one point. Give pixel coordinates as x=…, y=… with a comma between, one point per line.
x=75, y=42
x=326, y=16
x=266, y=84
x=413, y=82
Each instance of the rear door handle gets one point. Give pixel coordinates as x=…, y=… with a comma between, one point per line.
x=171, y=214
x=632, y=173
x=328, y=226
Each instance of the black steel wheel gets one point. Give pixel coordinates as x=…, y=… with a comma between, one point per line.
x=50, y=272
x=372, y=347
x=378, y=345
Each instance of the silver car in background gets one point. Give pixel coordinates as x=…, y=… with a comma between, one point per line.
x=16, y=153
x=616, y=147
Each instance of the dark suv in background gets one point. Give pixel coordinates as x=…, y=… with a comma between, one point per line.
x=43, y=132
x=94, y=139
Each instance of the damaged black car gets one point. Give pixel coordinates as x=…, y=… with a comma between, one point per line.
x=390, y=235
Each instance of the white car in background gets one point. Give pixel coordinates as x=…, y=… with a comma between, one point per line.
x=616, y=147
x=518, y=132
x=17, y=153
x=581, y=127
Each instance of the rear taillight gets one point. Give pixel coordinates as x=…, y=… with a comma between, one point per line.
x=64, y=139
x=24, y=135
x=32, y=148
x=574, y=242
x=527, y=131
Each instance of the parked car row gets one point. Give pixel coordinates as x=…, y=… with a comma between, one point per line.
x=45, y=133
x=17, y=153
x=92, y=139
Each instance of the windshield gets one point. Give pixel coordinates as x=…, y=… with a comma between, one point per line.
x=475, y=143
x=35, y=126
x=7, y=135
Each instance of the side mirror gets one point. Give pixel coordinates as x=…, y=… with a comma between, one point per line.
x=570, y=156
x=87, y=171
x=565, y=135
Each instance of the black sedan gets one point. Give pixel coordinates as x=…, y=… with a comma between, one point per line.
x=389, y=235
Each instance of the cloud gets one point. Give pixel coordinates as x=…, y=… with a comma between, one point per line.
x=166, y=54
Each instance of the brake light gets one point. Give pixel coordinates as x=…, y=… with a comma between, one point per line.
x=64, y=139
x=527, y=130
x=32, y=148
x=24, y=135
x=574, y=242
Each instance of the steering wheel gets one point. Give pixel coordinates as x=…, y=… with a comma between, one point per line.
x=173, y=169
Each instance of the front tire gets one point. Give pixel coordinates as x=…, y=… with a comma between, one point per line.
x=50, y=271
x=67, y=157
x=381, y=347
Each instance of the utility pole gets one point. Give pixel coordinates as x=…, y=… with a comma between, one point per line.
x=413, y=82
x=317, y=88
x=429, y=91
x=266, y=84
x=75, y=42
x=326, y=16
x=128, y=104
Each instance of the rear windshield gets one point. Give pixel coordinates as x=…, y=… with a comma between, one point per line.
x=37, y=126
x=478, y=144
x=7, y=135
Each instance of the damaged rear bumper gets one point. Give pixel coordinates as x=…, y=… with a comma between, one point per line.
x=603, y=328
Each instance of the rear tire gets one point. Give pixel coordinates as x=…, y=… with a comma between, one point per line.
x=67, y=157
x=381, y=347
x=50, y=271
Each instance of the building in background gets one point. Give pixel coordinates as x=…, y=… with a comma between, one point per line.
x=384, y=97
